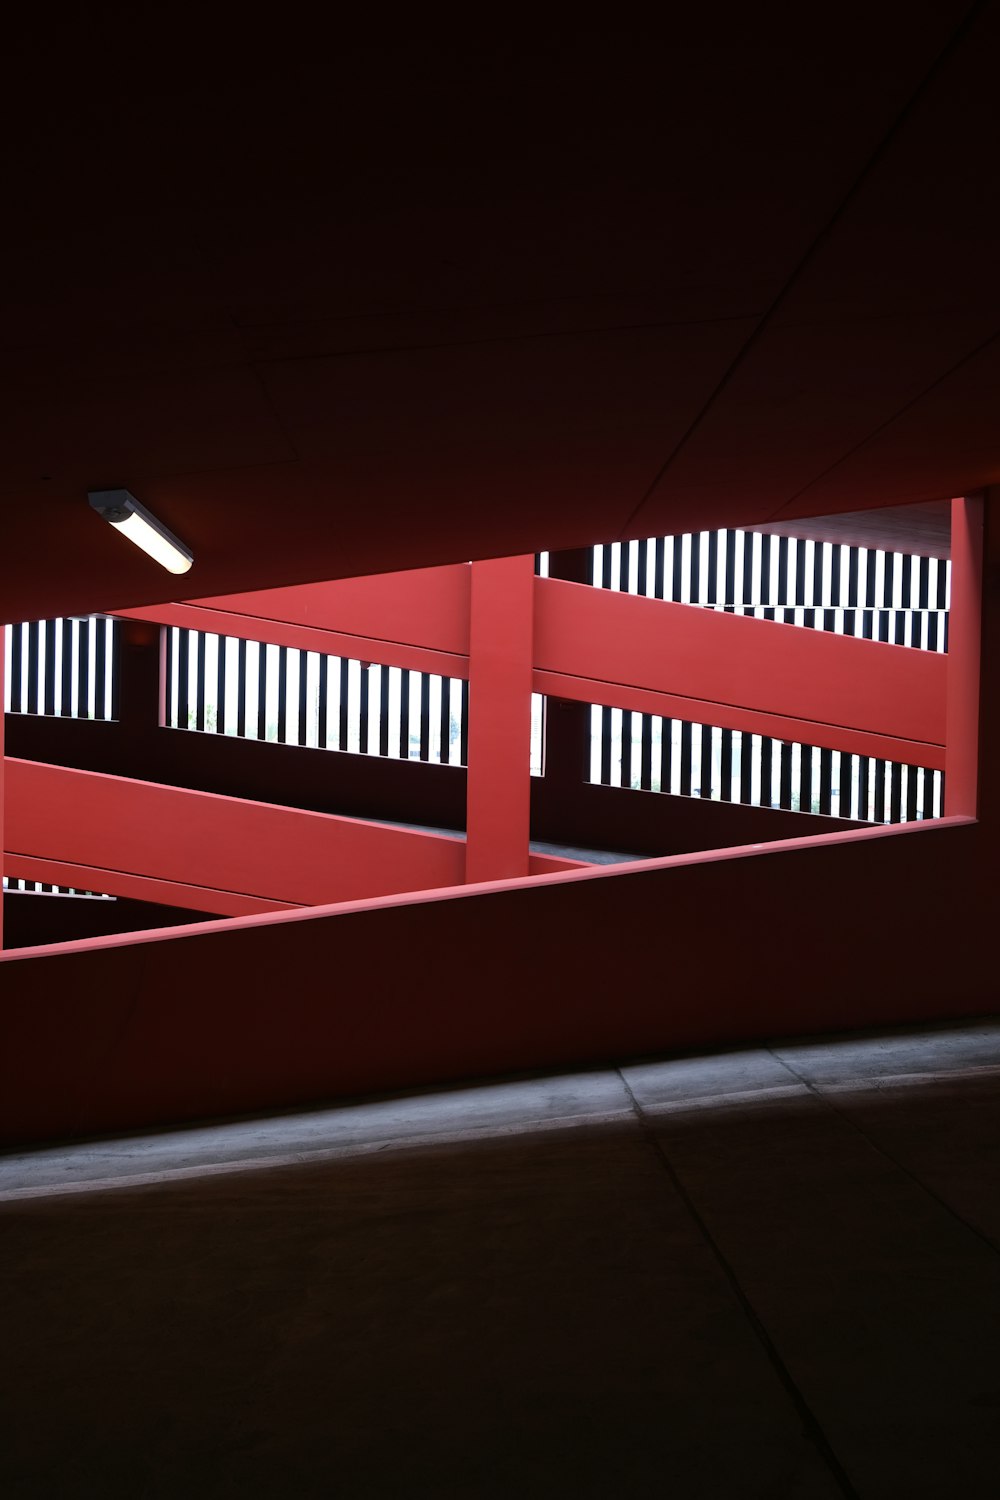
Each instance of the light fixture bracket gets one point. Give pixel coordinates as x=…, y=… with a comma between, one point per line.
x=122, y=510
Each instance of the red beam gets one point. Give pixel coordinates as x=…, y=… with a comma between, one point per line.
x=553, y=864
x=139, y=887
x=427, y=607
x=499, y=783
x=224, y=903
x=275, y=854
x=600, y=646
x=750, y=721
x=597, y=645
x=410, y=657
x=611, y=640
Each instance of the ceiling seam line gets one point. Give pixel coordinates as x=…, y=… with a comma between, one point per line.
x=188, y=885
x=938, y=65
x=882, y=426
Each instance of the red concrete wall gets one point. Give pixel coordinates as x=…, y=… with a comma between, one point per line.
x=576, y=968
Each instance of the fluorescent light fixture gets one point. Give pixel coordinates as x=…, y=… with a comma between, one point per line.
x=123, y=511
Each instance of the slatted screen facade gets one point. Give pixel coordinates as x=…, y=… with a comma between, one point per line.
x=63, y=667
x=41, y=888
x=67, y=668
x=897, y=598
x=649, y=753
x=225, y=685
x=888, y=596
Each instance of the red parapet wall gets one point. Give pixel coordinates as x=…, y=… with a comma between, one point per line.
x=571, y=969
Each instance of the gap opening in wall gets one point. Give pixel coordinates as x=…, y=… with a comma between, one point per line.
x=66, y=667
x=644, y=752
x=633, y=753
x=223, y=685
x=895, y=597
x=876, y=577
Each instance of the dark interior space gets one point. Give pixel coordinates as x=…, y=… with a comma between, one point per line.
x=32, y=919
x=769, y=1272
x=502, y=1188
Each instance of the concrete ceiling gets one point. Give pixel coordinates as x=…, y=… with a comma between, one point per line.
x=924, y=529
x=342, y=305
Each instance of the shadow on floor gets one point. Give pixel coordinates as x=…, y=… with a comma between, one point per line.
x=768, y=1274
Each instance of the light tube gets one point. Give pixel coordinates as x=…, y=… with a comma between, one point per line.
x=124, y=512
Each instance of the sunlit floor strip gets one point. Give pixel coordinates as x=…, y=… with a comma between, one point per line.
x=750, y=1079
x=347, y=1151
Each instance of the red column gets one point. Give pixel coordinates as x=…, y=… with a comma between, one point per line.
x=500, y=666
x=964, y=637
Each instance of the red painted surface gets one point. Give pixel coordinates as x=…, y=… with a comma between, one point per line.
x=566, y=970
x=552, y=864
x=412, y=657
x=321, y=402
x=645, y=642
x=141, y=887
x=383, y=606
x=276, y=854
x=750, y=720
x=809, y=675
x=194, y=897
x=598, y=646
x=961, y=790
x=500, y=653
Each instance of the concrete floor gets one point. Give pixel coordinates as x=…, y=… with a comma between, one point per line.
x=769, y=1273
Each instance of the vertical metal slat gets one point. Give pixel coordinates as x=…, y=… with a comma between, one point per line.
x=183, y=649
x=464, y=728
x=199, y=689
x=425, y=716
x=322, y=701
x=66, y=685
x=605, y=746
x=32, y=672
x=282, y=695
x=49, y=688
x=445, y=718
x=646, y=753
x=342, y=727
x=302, y=722
x=241, y=688
x=220, y=686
